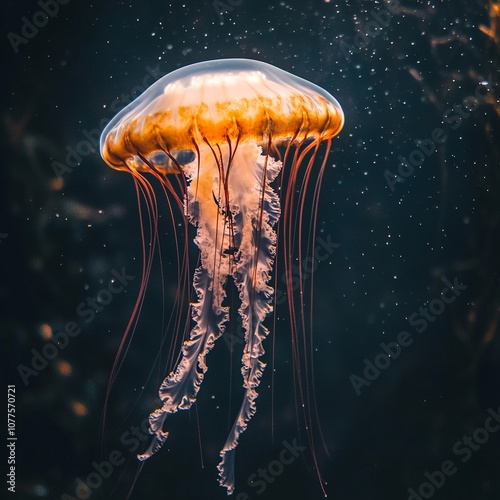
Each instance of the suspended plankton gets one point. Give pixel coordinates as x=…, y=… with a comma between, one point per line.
x=217, y=135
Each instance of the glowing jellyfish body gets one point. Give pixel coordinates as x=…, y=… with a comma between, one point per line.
x=232, y=116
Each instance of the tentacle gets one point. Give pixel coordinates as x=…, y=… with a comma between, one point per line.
x=179, y=389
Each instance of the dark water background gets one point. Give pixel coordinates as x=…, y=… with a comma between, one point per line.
x=63, y=235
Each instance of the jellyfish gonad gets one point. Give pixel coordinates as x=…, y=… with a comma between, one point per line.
x=244, y=126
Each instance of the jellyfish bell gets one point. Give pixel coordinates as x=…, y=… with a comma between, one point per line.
x=227, y=129
x=219, y=100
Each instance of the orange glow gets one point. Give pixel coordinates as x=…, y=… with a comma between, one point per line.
x=234, y=100
x=46, y=331
x=64, y=368
x=79, y=409
x=493, y=31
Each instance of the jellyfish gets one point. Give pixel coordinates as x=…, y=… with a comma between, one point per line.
x=234, y=143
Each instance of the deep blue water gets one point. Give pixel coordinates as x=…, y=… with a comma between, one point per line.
x=410, y=196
